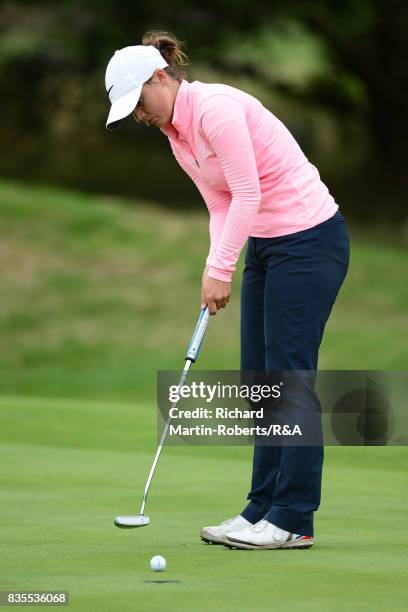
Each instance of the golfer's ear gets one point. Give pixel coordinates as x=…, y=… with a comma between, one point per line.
x=159, y=75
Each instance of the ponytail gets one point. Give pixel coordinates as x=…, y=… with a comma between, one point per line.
x=171, y=50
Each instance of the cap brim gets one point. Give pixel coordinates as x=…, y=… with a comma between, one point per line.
x=122, y=107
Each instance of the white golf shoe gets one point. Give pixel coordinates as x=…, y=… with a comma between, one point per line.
x=266, y=535
x=216, y=533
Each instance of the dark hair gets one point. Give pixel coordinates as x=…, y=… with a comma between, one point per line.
x=171, y=50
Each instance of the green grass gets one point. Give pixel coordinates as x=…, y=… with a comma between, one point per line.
x=99, y=293
x=71, y=466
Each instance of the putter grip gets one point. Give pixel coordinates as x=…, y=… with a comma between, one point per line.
x=198, y=336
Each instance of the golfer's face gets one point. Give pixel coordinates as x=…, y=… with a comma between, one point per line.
x=155, y=105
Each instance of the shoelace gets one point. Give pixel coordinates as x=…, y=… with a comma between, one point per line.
x=260, y=526
x=277, y=533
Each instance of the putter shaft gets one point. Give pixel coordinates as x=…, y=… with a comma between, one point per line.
x=163, y=437
x=191, y=356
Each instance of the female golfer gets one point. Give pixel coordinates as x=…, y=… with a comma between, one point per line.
x=261, y=189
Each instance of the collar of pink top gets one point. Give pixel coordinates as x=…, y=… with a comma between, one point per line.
x=180, y=123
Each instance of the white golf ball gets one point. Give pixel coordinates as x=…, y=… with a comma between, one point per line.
x=158, y=563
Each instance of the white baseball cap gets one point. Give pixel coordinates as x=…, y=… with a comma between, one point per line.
x=126, y=73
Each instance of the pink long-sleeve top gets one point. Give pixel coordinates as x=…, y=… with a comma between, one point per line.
x=249, y=169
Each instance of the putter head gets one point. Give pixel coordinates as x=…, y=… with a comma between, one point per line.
x=130, y=522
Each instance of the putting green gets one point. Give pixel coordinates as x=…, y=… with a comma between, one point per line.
x=68, y=467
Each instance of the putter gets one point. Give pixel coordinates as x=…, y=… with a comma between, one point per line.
x=141, y=520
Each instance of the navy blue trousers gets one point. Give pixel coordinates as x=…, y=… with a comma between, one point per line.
x=289, y=286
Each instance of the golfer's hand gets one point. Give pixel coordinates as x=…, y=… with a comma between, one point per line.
x=214, y=293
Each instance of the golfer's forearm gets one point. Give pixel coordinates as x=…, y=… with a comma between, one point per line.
x=216, y=226
x=235, y=232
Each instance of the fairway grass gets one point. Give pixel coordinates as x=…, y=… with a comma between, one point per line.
x=70, y=466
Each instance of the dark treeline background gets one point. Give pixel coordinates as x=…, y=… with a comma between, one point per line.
x=334, y=71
